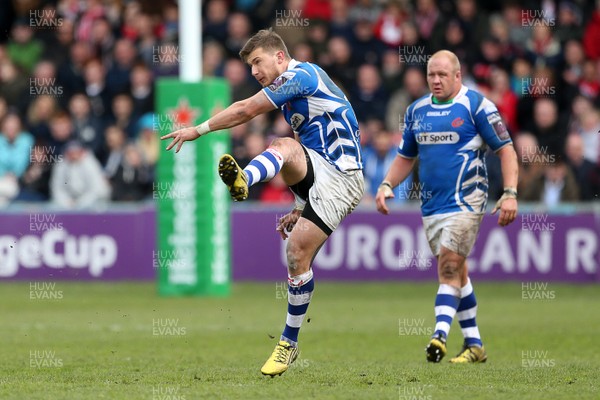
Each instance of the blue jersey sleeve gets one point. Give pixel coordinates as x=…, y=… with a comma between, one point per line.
x=490, y=126
x=290, y=85
x=408, y=145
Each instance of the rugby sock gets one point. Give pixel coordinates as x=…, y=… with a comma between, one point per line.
x=466, y=313
x=446, y=303
x=264, y=166
x=300, y=290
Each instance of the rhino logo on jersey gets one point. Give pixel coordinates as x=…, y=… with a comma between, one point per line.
x=296, y=120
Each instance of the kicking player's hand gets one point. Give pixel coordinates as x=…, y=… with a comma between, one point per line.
x=507, y=204
x=287, y=222
x=383, y=192
x=180, y=136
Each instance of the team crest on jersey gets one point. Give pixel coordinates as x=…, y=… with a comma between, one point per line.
x=458, y=121
x=498, y=125
x=281, y=80
x=296, y=120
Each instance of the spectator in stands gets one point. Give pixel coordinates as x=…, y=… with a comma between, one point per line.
x=548, y=127
x=102, y=40
x=453, y=39
x=15, y=145
x=148, y=47
x=215, y=21
x=520, y=77
x=236, y=74
x=530, y=162
x=12, y=83
x=591, y=35
x=39, y=114
x=426, y=16
x=115, y=147
x=87, y=128
x=556, y=185
x=132, y=180
x=369, y=98
x=366, y=49
x=303, y=52
x=24, y=50
x=414, y=86
x=61, y=131
x=488, y=58
x=213, y=58
x=589, y=85
x=71, y=73
x=590, y=132
x=122, y=111
x=239, y=31
x=147, y=141
x=572, y=72
x=392, y=71
x=581, y=168
x=96, y=89
x=388, y=27
x=473, y=21
x=568, y=25
x=365, y=10
x=501, y=95
x=340, y=19
x=142, y=90
x=35, y=182
x=340, y=66
x=77, y=181
x=543, y=49
x=117, y=77
x=377, y=159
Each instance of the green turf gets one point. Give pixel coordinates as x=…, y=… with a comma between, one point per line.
x=98, y=342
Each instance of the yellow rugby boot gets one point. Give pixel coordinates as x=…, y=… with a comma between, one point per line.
x=234, y=177
x=283, y=355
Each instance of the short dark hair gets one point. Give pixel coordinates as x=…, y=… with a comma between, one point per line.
x=268, y=40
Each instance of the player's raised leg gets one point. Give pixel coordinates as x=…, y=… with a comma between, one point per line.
x=305, y=241
x=283, y=153
x=473, y=350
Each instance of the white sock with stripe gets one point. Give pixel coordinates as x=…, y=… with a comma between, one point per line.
x=264, y=166
x=467, y=311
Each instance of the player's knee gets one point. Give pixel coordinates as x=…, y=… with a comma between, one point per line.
x=450, y=269
x=280, y=143
x=295, y=256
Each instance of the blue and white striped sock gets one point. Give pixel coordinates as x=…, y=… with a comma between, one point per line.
x=446, y=303
x=466, y=313
x=264, y=166
x=300, y=290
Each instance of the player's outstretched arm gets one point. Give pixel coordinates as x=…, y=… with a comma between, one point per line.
x=236, y=114
x=507, y=204
x=398, y=172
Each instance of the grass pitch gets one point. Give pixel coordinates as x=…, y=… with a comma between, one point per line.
x=362, y=341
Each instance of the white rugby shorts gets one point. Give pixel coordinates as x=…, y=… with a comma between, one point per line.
x=455, y=231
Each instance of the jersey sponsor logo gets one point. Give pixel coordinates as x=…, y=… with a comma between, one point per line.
x=458, y=121
x=296, y=120
x=438, y=113
x=437, y=138
x=498, y=125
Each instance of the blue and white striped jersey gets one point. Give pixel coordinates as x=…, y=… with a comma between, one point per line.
x=450, y=141
x=319, y=112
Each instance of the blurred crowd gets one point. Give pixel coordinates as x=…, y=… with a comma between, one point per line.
x=77, y=113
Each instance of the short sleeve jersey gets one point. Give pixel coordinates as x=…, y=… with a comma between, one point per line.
x=319, y=112
x=450, y=141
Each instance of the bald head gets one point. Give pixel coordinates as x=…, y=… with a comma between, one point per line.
x=446, y=57
x=443, y=75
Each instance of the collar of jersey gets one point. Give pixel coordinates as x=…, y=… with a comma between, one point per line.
x=461, y=92
x=292, y=64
